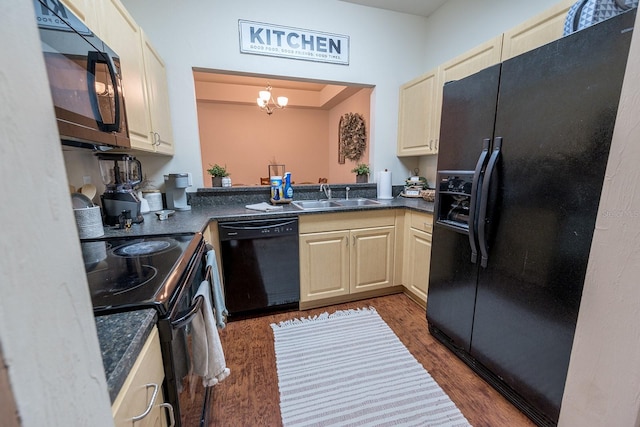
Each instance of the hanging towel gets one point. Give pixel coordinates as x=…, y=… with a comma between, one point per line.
x=218, y=297
x=208, y=357
x=264, y=206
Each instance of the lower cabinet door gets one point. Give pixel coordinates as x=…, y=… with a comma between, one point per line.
x=324, y=265
x=142, y=390
x=419, y=259
x=372, y=258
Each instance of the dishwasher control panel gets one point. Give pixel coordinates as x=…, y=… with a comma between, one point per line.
x=240, y=230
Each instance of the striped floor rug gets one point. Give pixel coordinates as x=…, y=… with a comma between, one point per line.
x=349, y=369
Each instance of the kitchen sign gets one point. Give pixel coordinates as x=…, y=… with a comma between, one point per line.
x=54, y=16
x=295, y=43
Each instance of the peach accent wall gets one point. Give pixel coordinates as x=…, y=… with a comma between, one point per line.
x=358, y=103
x=246, y=140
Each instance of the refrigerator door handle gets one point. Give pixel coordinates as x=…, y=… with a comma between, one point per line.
x=477, y=182
x=482, y=216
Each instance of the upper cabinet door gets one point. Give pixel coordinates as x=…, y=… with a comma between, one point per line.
x=472, y=61
x=122, y=34
x=417, y=116
x=158, y=98
x=85, y=10
x=537, y=31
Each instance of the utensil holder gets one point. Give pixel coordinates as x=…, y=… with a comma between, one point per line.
x=89, y=222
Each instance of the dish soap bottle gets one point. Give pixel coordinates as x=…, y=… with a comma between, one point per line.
x=288, y=189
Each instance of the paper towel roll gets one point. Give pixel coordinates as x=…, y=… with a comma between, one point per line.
x=384, y=185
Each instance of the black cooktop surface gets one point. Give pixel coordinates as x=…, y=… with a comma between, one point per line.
x=129, y=273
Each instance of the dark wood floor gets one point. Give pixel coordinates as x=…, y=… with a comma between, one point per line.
x=249, y=397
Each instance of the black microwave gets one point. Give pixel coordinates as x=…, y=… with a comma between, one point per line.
x=85, y=80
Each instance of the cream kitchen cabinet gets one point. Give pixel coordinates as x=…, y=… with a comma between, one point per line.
x=84, y=10
x=419, y=116
x=143, y=79
x=537, y=31
x=420, y=103
x=416, y=262
x=123, y=35
x=140, y=402
x=472, y=61
x=157, y=99
x=346, y=253
x=324, y=265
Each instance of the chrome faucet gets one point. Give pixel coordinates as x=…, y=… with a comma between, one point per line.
x=326, y=190
x=346, y=189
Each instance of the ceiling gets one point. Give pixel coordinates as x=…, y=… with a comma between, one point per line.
x=241, y=88
x=226, y=77
x=413, y=7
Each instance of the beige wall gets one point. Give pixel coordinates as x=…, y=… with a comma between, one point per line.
x=47, y=329
x=603, y=383
x=246, y=140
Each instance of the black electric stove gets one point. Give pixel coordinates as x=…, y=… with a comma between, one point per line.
x=131, y=273
x=164, y=273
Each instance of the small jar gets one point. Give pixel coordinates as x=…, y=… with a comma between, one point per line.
x=276, y=188
x=226, y=181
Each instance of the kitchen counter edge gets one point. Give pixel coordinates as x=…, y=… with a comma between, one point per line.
x=121, y=337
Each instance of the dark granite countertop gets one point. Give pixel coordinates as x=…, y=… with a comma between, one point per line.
x=197, y=219
x=122, y=337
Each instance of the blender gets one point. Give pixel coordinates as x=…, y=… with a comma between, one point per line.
x=120, y=173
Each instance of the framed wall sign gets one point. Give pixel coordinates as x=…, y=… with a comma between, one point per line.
x=258, y=38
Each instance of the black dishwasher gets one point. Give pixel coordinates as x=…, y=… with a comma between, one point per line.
x=260, y=266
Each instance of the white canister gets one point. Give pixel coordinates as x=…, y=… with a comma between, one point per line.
x=144, y=204
x=226, y=181
x=154, y=199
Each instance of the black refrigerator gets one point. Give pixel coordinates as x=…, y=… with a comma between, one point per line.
x=523, y=151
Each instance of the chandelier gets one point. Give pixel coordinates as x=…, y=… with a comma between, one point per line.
x=266, y=102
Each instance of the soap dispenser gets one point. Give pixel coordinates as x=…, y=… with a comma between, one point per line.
x=288, y=189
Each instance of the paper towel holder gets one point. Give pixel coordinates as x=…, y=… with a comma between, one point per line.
x=384, y=187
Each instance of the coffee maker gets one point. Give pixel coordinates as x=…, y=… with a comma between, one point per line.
x=176, y=186
x=120, y=173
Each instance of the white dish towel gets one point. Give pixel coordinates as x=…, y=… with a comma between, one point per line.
x=264, y=206
x=216, y=287
x=208, y=356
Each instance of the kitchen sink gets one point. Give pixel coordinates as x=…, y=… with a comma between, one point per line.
x=315, y=204
x=334, y=203
x=356, y=202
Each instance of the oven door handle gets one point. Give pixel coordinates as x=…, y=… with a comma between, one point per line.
x=188, y=316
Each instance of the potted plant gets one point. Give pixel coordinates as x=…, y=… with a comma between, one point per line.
x=217, y=172
x=362, y=172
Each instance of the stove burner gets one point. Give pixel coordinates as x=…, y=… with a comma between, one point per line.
x=134, y=279
x=143, y=248
x=126, y=281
